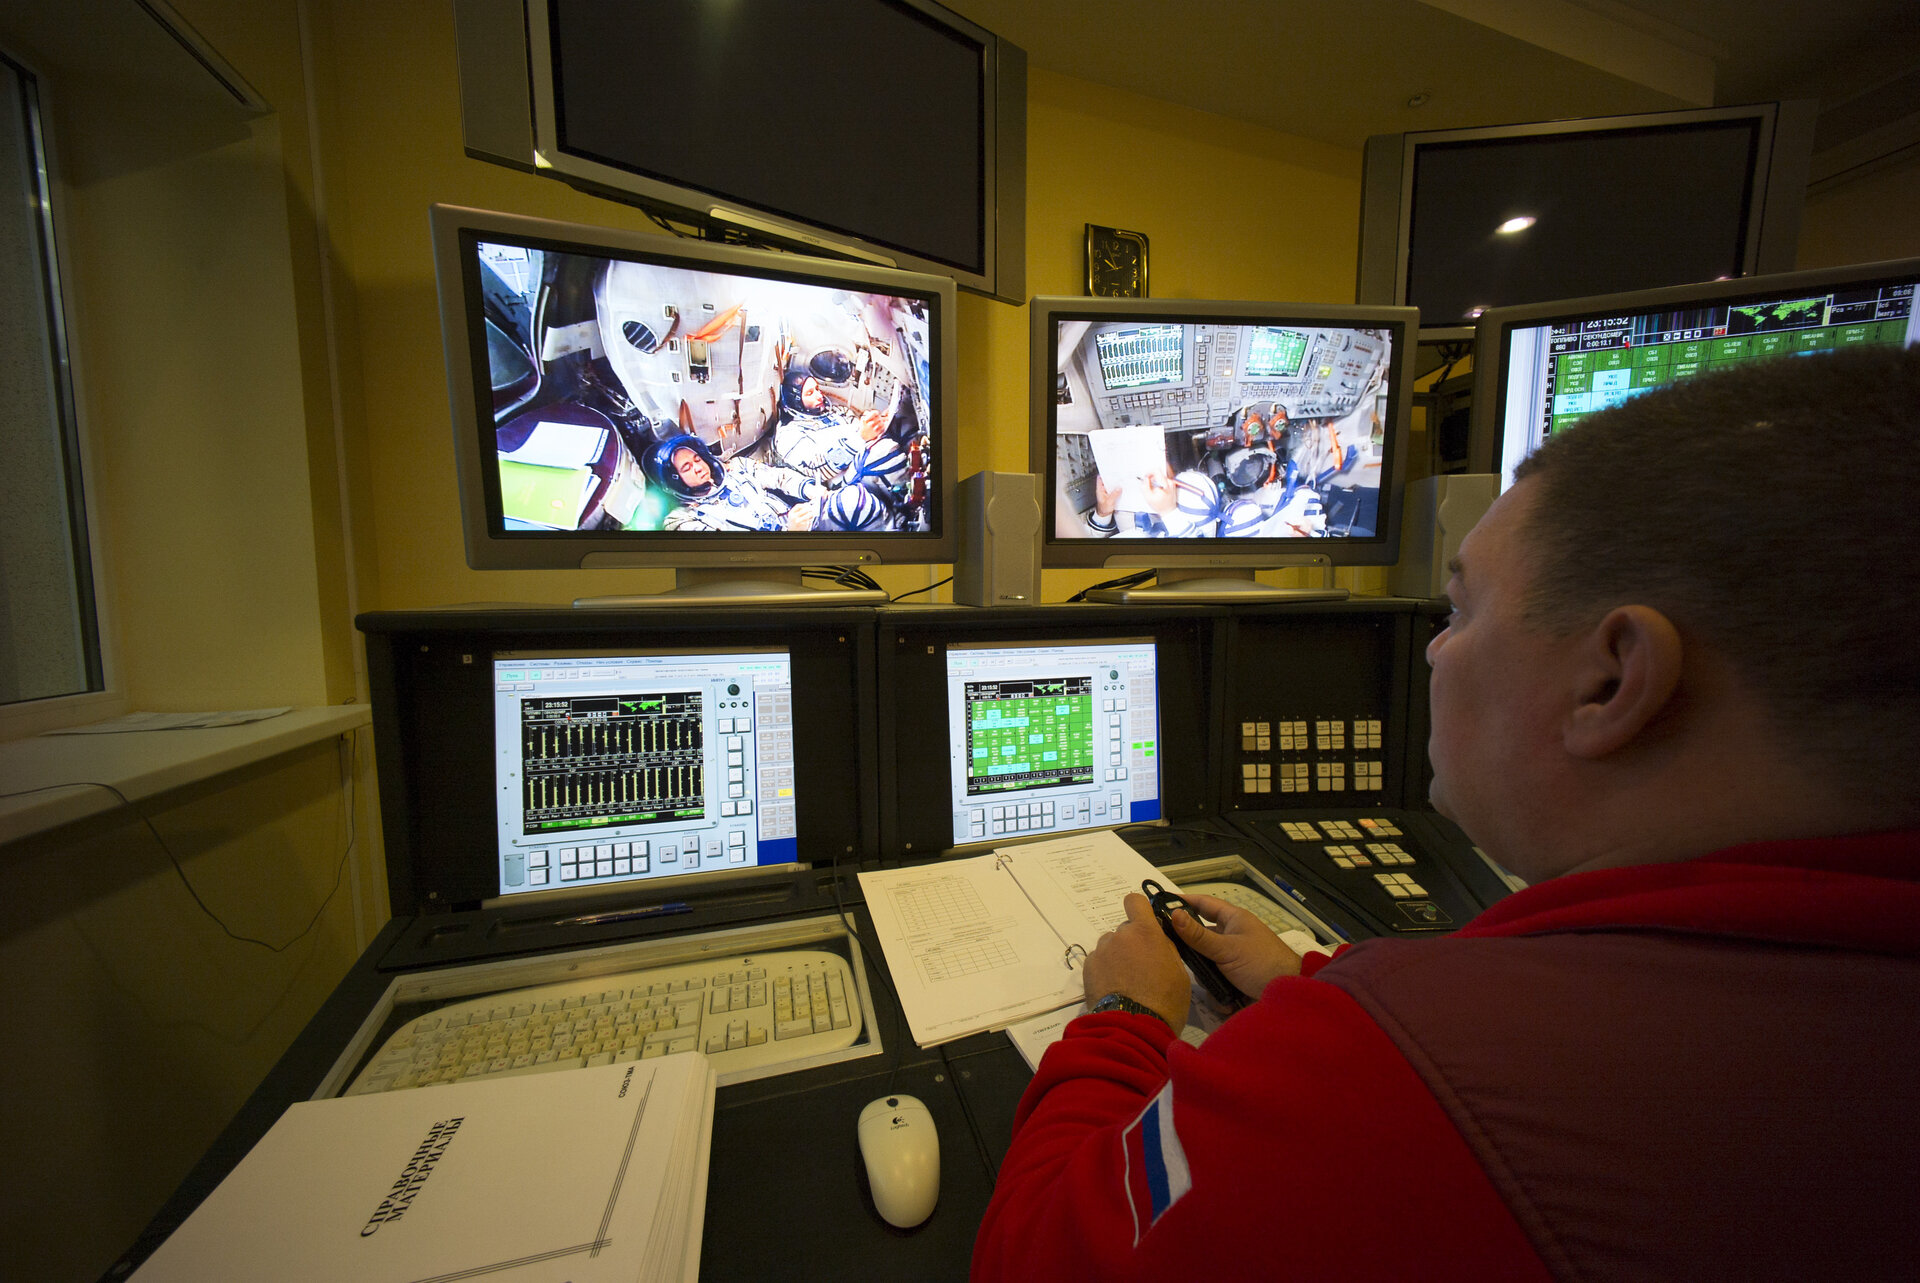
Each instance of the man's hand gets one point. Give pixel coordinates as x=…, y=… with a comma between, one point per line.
x=1136, y=959
x=1249, y=953
x=1161, y=492
x=873, y=423
x=1104, y=500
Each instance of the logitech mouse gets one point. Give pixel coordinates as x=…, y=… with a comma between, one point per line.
x=901, y=1149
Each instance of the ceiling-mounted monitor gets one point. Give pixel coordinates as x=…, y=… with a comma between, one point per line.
x=1456, y=221
x=888, y=131
x=1208, y=440
x=632, y=400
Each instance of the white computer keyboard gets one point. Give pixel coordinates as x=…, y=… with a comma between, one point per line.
x=1282, y=923
x=745, y=1012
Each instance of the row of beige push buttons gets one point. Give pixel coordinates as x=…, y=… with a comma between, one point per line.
x=1348, y=849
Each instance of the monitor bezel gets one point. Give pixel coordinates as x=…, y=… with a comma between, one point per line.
x=508, y=114
x=489, y=546
x=1383, y=548
x=1493, y=335
x=1782, y=156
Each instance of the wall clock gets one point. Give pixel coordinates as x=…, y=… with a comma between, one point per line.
x=1116, y=262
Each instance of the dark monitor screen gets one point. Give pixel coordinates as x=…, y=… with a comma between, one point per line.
x=1235, y=433
x=1611, y=211
x=709, y=95
x=1456, y=221
x=1542, y=368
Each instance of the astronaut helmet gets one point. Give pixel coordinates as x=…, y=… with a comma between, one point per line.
x=793, y=391
x=851, y=507
x=1247, y=468
x=665, y=471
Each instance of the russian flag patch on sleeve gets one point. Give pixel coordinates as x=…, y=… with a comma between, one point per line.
x=1157, y=1173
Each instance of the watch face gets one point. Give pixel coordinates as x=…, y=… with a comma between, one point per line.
x=1116, y=263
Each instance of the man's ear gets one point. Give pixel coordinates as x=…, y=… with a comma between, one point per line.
x=1626, y=670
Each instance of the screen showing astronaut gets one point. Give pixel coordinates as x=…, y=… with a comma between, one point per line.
x=636, y=397
x=1182, y=429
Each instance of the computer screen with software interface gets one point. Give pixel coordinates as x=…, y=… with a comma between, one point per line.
x=615, y=767
x=1048, y=737
x=1558, y=363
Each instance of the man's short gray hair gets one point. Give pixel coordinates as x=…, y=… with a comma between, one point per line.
x=1773, y=511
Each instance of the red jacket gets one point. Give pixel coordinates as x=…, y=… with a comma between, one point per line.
x=1309, y=1139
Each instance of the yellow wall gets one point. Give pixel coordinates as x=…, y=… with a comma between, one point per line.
x=140, y=1026
x=261, y=368
x=1863, y=220
x=189, y=245
x=1232, y=211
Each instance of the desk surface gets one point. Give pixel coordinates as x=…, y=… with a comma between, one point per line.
x=786, y=1190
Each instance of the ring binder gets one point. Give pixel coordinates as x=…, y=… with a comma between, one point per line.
x=1071, y=950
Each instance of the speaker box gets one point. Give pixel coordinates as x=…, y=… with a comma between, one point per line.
x=1436, y=516
x=999, y=561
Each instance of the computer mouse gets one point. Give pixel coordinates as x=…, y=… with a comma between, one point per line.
x=901, y=1149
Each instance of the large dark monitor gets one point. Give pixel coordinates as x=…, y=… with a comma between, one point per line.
x=890, y=131
x=624, y=399
x=1208, y=440
x=1541, y=368
x=1455, y=221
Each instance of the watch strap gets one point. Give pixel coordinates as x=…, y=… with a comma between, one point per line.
x=1120, y=1002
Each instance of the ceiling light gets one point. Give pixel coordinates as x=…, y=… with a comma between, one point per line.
x=1519, y=224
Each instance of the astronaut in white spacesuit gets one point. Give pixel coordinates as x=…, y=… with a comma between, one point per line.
x=819, y=434
x=741, y=494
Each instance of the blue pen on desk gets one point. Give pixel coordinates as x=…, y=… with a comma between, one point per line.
x=624, y=915
x=1333, y=926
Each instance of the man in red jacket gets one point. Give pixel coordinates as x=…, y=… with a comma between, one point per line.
x=1680, y=694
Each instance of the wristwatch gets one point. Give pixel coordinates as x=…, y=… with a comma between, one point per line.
x=1120, y=1002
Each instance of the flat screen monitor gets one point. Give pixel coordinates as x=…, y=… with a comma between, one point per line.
x=624, y=399
x=889, y=131
x=1207, y=440
x=1541, y=368
x=1046, y=738
x=1455, y=221
x=614, y=767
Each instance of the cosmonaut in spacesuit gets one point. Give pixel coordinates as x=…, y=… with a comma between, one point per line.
x=741, y=494
x=1178, y=507
x=819, y=434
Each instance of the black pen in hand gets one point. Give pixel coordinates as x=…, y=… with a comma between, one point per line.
x=1204, y=969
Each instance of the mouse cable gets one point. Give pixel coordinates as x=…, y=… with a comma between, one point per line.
x=917, y=591
x=879, y=970
x=348, y=741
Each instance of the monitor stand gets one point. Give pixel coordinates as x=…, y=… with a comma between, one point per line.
x=748, y=586
x=1216, y=586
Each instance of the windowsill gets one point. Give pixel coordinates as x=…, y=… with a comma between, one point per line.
x=144, y=764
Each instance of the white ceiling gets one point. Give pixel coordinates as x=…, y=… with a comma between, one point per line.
x=1341, y=70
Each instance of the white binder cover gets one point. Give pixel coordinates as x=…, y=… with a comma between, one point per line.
x=576, y=1175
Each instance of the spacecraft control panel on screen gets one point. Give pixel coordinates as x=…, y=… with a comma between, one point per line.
x=1178, y=429
x=616, y=767
x=1558, y=372
x=1046, y=738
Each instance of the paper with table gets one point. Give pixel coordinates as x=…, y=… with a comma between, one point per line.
x=590, y=1174
x=980, y=943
